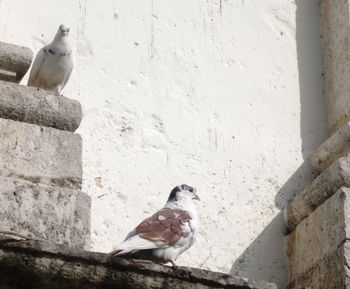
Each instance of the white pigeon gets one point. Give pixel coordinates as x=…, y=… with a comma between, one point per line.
x=53, y=64
x=164, y=236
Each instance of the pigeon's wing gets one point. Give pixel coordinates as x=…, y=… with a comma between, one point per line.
x=67, y=76
x=166, y=227
x=37, y=65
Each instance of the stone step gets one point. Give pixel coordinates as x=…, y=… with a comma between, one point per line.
x=319, y=249
x=45, y=212
x=37, y=106
x=15, y=60
x=26, y=263
x=316, y=193
x=40, y=154
x=336, y=146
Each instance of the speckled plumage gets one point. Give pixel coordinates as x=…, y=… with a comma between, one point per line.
x=165, y=235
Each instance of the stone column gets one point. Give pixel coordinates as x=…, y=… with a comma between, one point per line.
x=336, y=43
x=317, y=219
x=40, y=160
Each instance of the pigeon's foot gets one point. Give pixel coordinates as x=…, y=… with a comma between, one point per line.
x=173, y=264
x=57, y=91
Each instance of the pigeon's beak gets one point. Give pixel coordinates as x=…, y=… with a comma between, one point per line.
x=195, y=196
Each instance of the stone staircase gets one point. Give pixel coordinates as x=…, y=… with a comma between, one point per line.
x=318, y=218
x=40, y=159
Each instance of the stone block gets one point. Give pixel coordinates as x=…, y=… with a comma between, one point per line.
x=330, y=272
x=15, y=59
x=45, y=212
x=40, y=154
x=316, y=193
x=336, y=146
x=37, y=106
x=335, y=23
x=26, y=263
x=319, y=248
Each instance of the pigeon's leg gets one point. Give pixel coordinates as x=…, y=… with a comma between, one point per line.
x=58, y=90
x=173, y=263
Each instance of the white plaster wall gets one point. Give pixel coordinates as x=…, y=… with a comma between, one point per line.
x=224, y=95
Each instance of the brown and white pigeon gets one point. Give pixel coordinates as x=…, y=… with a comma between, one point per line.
x=53, y=64
x=164, y=236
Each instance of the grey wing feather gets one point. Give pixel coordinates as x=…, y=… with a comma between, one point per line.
x=37, y=64
x=67, y=77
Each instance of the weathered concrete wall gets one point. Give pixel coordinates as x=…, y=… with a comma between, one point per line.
x=223, y=95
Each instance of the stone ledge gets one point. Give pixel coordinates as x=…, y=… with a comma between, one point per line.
x=316, y=193
x=15, y=59
x=37, y=106
x=334, y=147
x=55, y=214
x=39, y=265
x=40, y=154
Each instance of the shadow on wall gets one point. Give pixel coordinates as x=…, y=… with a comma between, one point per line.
x=313, y=116
x=265, y=258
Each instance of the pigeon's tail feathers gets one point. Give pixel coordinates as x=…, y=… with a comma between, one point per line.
x=113, y=253
x=116, y=252
x=133, y=244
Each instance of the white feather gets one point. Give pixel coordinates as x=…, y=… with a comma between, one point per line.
x=133, y=244
x=53, y=64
